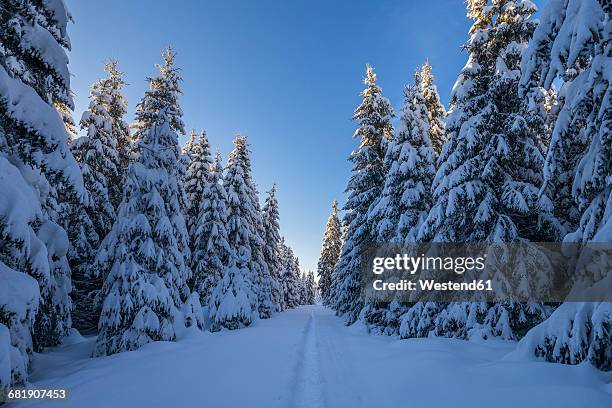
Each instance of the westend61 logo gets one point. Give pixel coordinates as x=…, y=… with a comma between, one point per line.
x=445, y=272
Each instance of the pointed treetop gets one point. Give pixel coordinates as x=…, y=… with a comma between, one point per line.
x=112, y=68
x=424, y=81
x=168, y=67
x=217, y=165
x=335, y=206
x=188, y=149
x=164, y=91
x=240, y=141
x=477, y=11
x=203, y=139
x=216, y=168
x=425, y=75
x=370, y=78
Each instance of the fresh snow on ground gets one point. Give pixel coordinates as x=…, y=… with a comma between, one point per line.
x=306, y=358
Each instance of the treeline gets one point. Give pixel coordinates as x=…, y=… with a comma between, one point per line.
x=523, y=155
x=119, y=232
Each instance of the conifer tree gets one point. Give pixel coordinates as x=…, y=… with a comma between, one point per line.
x=310, y=288
x=164, y=91
x=143, y=257
x=103, y=156
x=245, y=226
x=487, y=186
x=116, y=107
x=410, y=159
x=435, y=110
x=186, y=153
x=210, y=257
x=290, y=276
x=575, y=51
x=233, y=303
x=271, y=238
x=330, y=253
x=187, y=150
x=98, y=158
x=243, y=236
x=196, y=179
x=335, y=281
x=364, y=187
x=303, y=288
x=406, y=197
x=37, y=172
x=578, y=159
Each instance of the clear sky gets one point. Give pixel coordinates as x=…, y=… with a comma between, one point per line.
x=285, y=73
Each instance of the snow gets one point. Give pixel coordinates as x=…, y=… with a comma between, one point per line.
x=39, y=41
x=5, y=357
x=19, y=293
x=60, y=14
x=307, y=358
x=25, y=106
x=19, y=205
x=574, y=332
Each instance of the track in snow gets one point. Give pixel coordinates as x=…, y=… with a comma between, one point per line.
x=309, y=385
x=307, y=358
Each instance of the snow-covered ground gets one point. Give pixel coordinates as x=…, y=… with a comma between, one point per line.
x=307, y=358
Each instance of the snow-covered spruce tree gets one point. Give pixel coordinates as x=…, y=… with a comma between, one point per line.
x=187, y=150
x=435, y=109
x=290, y=276
x=195, y=181
x=271, y=238
x=579, y=56
x=572, y=45
x=83, y=244
x=410, y=161
x=240, y=157
x=116, y=108
x=103, y=155
x=574, y=52
x=406, y=197
x=186, y=153
x=486, y=188
x=335, y=282
x=245, y=225
x=282, y=254
x=310, y=289
x=164, y=91
x=233, y=303
x=211, y=253
x=264, y=284
x=34, y=78
x=99, y=159
x=303, y=289
x=330, y=253
x=364, y=187
x=143, y=257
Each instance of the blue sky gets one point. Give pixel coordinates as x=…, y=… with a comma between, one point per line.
x=286, y=73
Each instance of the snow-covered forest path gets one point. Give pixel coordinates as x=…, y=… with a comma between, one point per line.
x=306, y=358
